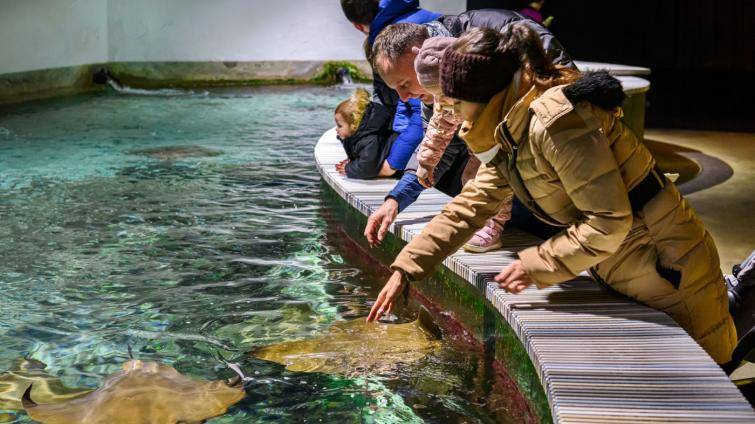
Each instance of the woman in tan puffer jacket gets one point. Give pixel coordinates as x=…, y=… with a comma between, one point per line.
x=556, y=140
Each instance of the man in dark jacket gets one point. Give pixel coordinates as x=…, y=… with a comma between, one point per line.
x=393, y=59
x=370, y=17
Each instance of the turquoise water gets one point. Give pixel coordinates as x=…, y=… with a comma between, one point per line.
x=184, y=258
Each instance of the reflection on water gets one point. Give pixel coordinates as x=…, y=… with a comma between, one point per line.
x=187, y=256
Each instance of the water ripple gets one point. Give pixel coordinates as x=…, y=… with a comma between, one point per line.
x=183, y=257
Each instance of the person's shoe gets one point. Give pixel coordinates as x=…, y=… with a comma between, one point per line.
x=734, y=290
x=745, y=272
x=740, y=282
x=486, y=239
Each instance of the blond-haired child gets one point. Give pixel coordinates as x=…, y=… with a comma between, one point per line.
x=365, y=132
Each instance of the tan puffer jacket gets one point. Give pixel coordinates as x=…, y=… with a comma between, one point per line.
x=576, y=163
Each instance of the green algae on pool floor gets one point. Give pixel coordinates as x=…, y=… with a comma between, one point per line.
x=188, y=257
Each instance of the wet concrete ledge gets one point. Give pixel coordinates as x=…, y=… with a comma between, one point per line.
x=38, y=84
x=577, y=353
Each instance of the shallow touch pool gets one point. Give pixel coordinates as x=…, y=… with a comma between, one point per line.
x=102, y=247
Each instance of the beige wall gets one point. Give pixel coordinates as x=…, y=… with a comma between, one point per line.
x=447, y=7
x=230, y=30
x=43, y=34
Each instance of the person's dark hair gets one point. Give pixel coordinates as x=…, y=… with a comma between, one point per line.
x=518, y=42
x=360, y=11
x=367, y=50
x=396, y=40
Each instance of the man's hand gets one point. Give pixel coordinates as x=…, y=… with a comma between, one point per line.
x=513, y=278
x=341, y=166
x=379, y=222
x=387, y=297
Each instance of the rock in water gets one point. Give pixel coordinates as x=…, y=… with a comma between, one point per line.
x=30, y=372
x=143, y=393
x=351, y=347
x=176, y=152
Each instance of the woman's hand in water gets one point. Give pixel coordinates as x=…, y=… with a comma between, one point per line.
x=379, y=222
x=388, y=297
x=513, y=278
x=341, y=166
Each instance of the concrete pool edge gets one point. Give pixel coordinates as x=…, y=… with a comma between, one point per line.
x=40, y=84
x=19, y=87
x=652, y=370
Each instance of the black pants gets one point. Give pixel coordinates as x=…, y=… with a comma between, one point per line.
x=523, y=219
x=449, y=170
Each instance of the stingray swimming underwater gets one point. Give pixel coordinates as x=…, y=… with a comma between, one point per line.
x=176, y=152
x=30, y=372
x=351, y=347
x=142, y=393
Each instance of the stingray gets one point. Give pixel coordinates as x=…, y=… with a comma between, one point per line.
x=176, y=152
x=355, y=346
x=142, y=393
x=30, y=372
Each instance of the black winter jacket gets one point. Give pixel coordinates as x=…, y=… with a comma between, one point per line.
x=368, y=147
x=498, y=19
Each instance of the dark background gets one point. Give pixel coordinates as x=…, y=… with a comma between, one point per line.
x=701, y=53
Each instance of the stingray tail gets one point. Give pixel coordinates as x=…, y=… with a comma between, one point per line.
x=26, y=400
x=240, y=378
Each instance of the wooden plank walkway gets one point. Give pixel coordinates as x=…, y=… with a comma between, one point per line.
x=600, y=357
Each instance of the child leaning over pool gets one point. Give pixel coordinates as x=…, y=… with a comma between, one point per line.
x=365, y=132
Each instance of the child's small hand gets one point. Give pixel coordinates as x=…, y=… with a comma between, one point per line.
x=341, y=166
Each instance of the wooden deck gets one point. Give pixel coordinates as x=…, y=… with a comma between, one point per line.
x=600, y=357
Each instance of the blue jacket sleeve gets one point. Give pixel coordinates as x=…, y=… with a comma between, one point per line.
x=408, y=123
x=406, y=191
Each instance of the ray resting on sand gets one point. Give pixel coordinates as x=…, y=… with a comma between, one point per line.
x=351, y=347
x=142, y=393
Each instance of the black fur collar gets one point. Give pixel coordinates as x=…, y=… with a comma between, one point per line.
x=598, y=88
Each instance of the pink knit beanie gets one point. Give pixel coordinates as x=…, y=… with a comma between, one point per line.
x=427, y=62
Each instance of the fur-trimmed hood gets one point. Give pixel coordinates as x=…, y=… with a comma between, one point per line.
x=597, y=87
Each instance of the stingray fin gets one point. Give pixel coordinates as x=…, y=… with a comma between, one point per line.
x=428, y=325
x=26, y=400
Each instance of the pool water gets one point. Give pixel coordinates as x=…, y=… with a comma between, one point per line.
x=106, y=244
